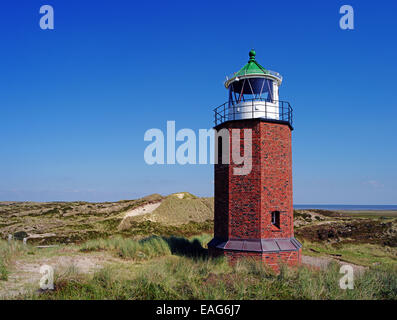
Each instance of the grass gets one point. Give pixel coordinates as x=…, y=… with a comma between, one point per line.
x=364, y=254
x=179, y=268
x=165, y=259
x=8, y=252
x=369, y=213
x=130, y=249
x=174, y=211
x=3, y=270
x=70, y=221
x=179, y=277
x=147, y=228
x=149, y=248
x=75, y=222
x=374, y=214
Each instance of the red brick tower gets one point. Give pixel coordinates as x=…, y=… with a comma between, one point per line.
x=253, y=211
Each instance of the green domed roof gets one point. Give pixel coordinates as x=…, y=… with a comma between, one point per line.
x=252, y=69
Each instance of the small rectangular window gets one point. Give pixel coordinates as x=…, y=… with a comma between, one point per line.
x=276, y=218
x=220, y=140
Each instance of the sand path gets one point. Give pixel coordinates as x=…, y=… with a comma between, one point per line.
x=25, y=273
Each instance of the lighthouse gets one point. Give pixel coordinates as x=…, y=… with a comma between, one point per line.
x=254, y=211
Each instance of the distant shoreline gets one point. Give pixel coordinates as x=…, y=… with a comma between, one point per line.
x=330, y=207
x=343, y=207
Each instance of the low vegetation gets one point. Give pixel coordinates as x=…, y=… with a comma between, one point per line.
x=181, y=277
x=351, y=231
x=3, y=270
x=176, y=210
x=8, y=252
x=143, y=249
x=162, y=254
x=146, y=228
x=364, y=254
x=76, y=222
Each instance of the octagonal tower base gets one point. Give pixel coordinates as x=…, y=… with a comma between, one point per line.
x=267, y=251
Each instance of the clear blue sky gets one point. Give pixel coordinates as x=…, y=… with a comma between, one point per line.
x=76, y=101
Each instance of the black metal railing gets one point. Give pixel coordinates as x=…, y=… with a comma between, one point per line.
x=278, y=111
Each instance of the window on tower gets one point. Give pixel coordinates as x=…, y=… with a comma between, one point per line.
x=220, y=150
x=251, y=89
x=276, y=218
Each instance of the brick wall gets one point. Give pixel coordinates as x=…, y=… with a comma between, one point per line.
x=272, y=259
x=243, y=204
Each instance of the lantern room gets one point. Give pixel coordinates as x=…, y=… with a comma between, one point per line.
x=253, y=93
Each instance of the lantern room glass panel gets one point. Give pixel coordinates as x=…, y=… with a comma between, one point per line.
x=253, y=98
x=251, y=88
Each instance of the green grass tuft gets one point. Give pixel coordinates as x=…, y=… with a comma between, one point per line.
x=184, y=278
x=8, y=251
x=3, y=271
x=130, y=249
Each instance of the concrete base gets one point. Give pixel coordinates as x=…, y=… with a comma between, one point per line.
x=273, y=258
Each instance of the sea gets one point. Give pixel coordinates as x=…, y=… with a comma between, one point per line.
x=352, y=207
